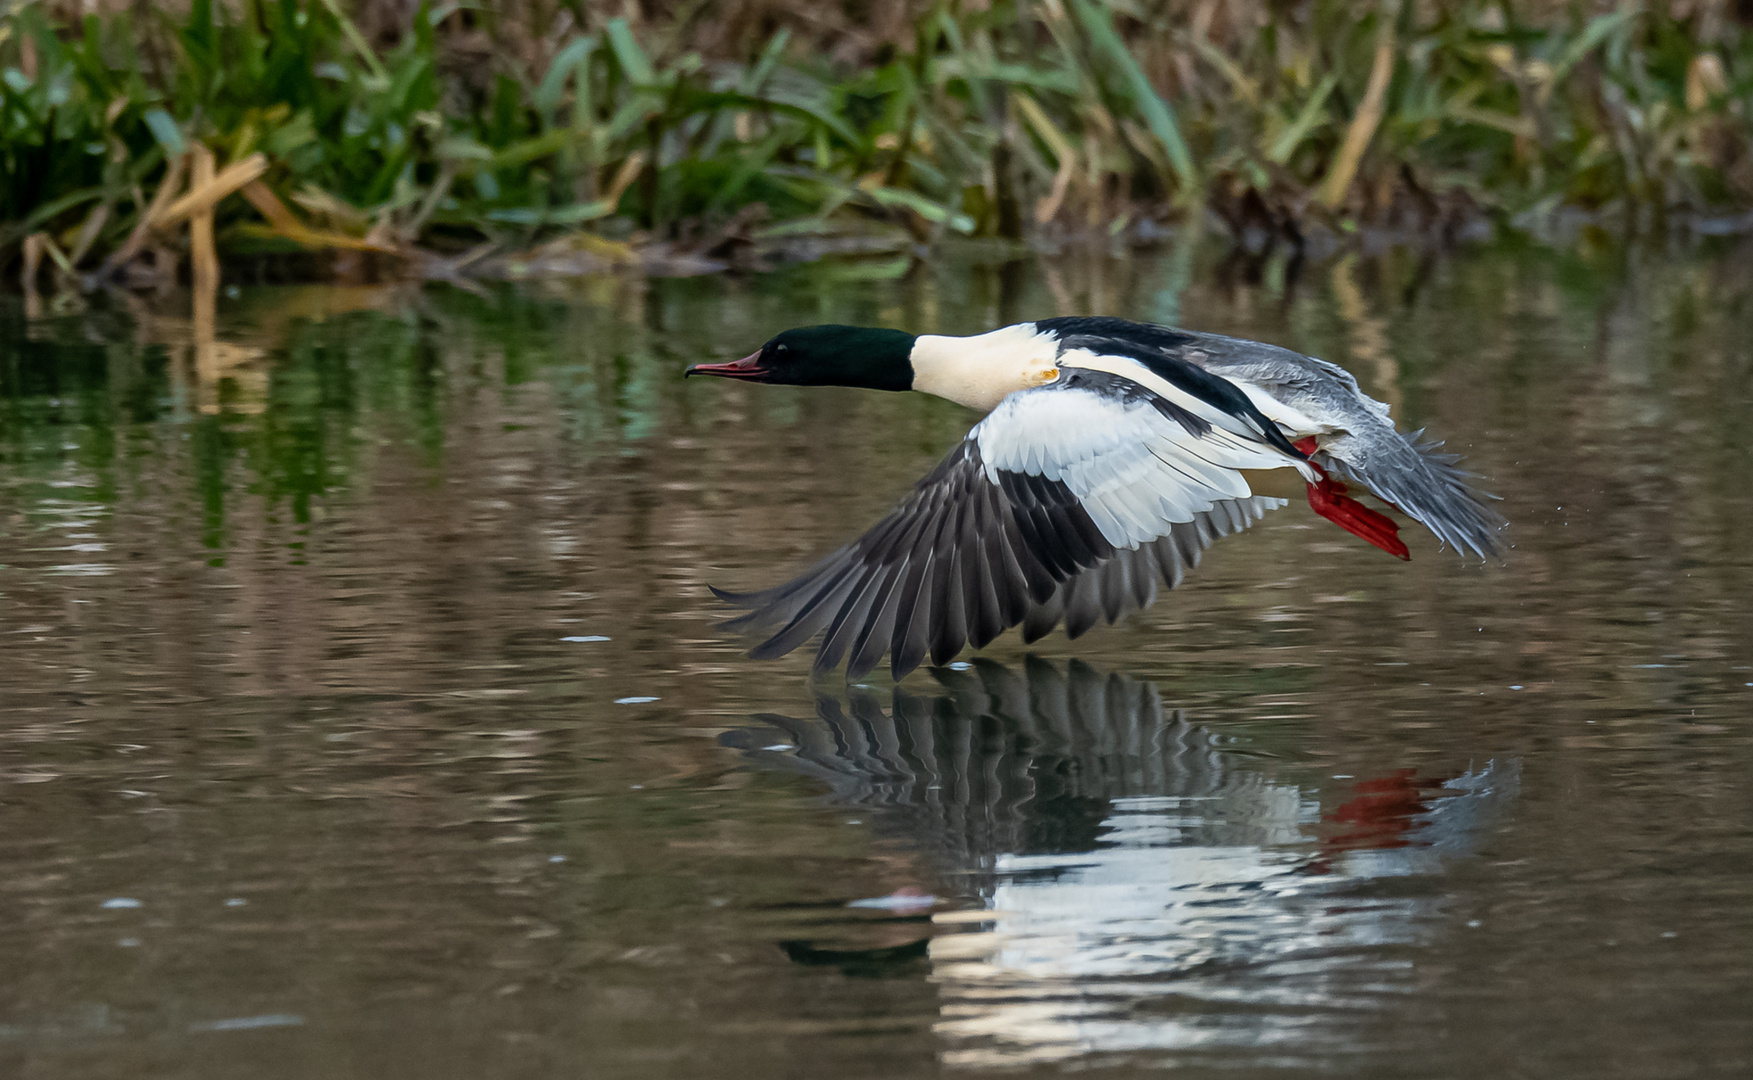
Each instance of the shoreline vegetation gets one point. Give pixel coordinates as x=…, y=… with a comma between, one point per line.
x=145, y=144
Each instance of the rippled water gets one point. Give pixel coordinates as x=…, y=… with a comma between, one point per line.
x=362, y=711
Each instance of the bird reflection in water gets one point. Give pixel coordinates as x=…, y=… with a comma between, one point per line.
x=1130, y=885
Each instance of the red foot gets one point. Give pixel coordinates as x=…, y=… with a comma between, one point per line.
x=1328, y=498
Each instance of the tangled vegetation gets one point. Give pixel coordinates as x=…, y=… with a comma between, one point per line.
x=429, y=139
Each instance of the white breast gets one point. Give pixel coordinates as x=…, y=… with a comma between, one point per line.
x=980, y=371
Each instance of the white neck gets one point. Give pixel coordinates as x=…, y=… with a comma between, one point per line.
x=979, y=371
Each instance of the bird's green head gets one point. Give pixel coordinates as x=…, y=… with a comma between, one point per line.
x=830, y=355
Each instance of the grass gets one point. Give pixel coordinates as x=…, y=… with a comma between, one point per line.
x=297, y=126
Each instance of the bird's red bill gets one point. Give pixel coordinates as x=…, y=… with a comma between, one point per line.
x=749, y=367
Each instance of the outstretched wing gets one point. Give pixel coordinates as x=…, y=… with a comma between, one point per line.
x=1066, y=501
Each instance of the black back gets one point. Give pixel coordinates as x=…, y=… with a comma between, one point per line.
x=1161, y=349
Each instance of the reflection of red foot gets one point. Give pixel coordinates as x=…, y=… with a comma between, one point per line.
x=1328, y=498
x=1383, y=813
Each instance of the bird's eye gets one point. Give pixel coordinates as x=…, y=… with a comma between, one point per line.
x=782, y=348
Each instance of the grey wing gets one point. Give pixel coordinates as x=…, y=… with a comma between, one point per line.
x=1365, y=447
x=1422, y=481
x=1128, y=581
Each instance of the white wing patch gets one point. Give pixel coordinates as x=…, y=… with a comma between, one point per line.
x=1295, y=421
x=1134, y=470
x=1133, y=371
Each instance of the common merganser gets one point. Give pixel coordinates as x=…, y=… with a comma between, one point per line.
x=1112, y=452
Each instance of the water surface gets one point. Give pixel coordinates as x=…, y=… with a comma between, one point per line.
x=362, y=711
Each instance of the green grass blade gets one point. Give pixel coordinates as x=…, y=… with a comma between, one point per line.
x=1157, y=113
x=574, y=214
x=165, y=131
x=566, y=63
x=1599, y=29
x=358, y=42
x=1292, y=137
x=756, y=77
x=901, y=198
x=635, y=64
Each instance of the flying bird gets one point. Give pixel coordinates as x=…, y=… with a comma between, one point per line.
x=1113, y=453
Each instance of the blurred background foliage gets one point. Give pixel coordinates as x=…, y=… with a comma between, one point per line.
x=443, y=130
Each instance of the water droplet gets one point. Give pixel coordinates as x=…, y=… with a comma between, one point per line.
x=236, y=901
x=121, y=902
x=556, y=858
